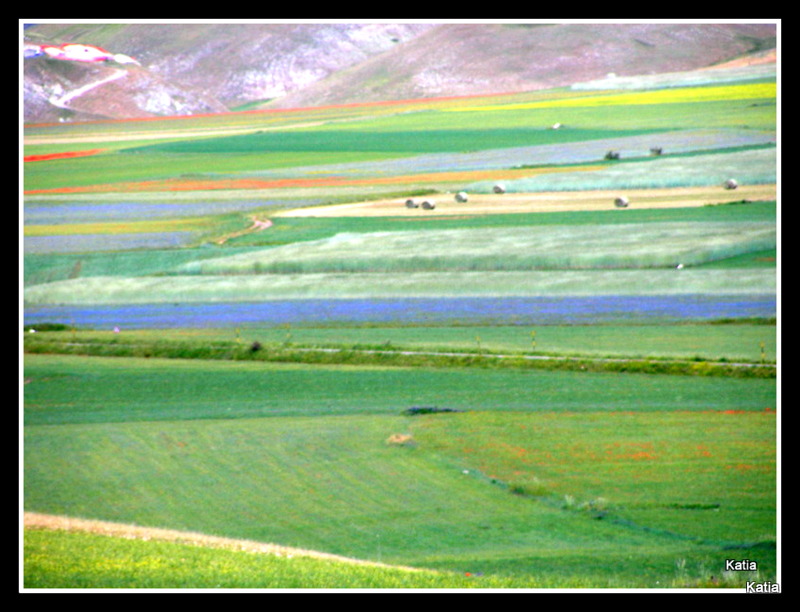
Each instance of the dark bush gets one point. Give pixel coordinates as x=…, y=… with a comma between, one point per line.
x=49, y=327
x=428, y=410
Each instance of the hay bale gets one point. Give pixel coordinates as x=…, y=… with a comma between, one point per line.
x=621, y=202
x=556, y=126
x=499, y=188
x=731, y=184
x=461, y=196
x=411, y=203
x=401, y=439
x=428, y=204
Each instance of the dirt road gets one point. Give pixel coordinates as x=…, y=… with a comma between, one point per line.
x=257, y=226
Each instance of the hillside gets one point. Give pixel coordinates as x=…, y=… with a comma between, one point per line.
x=202, y=68
x=190, y=69
x=468, y=59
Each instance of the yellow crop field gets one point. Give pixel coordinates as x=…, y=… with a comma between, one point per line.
x=659, y=96
x=122, y=227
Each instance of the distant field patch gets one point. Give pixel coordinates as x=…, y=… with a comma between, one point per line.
x=75, y=303
x=123, y=227
x=255, y=289
x=659, y=96
x=106, y=242
x=752, y=167
x=327, y=181
x=62, y=155
x=464, y=176
x=392, y=138
x=646, y=245
x=181, y=185
x=481, y=203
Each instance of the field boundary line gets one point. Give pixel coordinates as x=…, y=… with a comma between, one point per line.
x=286, y=354
x=488, y=354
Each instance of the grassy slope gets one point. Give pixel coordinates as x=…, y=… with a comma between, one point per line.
x=116, y=563
x=300, y=458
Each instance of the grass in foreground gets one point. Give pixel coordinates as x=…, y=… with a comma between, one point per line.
x=299, y=455
x=65, y=560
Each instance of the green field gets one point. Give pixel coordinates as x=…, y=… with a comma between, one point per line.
x=105, y=563
x=305, y=448
x=639, y=451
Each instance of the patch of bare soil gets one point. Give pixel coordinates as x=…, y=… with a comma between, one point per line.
x=135, y=532
x=554, y=201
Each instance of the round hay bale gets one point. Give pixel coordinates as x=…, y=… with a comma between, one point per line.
x=411, y=203
x=731, y=184
x=461, y=196
x=428, y=204
x=621, y=202
x=499, y=188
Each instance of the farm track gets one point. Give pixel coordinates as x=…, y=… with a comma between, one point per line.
x=34, y=520
x=64, y=100
x=257, y=226
x=552, y=201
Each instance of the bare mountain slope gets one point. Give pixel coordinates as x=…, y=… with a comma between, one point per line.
x=60, y=90
x=193, y=68
x=472, y=59
x=197, y=68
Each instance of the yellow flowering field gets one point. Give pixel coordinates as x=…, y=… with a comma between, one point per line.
x=745, y=91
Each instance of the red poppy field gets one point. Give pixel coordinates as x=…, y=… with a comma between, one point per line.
x=63, y=155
